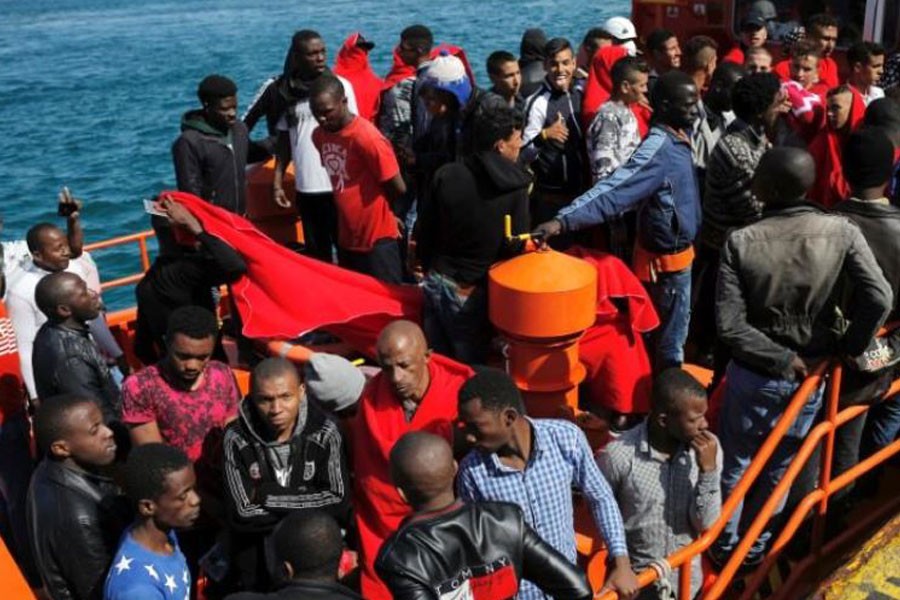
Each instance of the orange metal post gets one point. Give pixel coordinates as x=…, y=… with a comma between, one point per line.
x=542, y=302
x=834, y=392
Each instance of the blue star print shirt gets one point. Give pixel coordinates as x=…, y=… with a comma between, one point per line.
x=139, y=574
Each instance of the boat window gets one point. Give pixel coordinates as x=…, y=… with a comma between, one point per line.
x=786, y=16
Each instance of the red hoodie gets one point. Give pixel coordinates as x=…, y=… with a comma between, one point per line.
x=828, y=72
x=400, y=70
x=830, y=186
x=352, y=63
x=599, y=86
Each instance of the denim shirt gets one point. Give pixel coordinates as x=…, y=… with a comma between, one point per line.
x=659, y=180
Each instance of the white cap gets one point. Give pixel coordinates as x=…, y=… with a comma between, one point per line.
x=620, y=28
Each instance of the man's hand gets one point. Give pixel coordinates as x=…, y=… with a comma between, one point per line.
x=280, y=197
x=799, y=368
x=69, y=207
x=546, y=230
x=705, y=447
x=622, y=580
x=558, y=132
x=179, y=215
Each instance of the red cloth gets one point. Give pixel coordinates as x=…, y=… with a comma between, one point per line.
x=284, y=295
x=735, y=55
x=352, y=63
x=828, y=72
x=830, y=186
x=359, y=159
x=599, y=88
x=807, y=114
x=378, y=425
x=613, y=351
x=599, y=82
x=400, y=70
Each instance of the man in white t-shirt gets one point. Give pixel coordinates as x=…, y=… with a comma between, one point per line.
x=52, y=250
x=306, y=61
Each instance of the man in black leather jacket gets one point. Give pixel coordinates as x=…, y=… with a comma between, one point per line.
x=75, y=515
x=307, y=547
x=66, y=360
x=446, y=546
x=776, y=311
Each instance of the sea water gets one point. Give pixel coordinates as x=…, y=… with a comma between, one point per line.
x=92, y=91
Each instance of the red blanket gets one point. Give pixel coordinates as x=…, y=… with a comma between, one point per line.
x=285, y=295
x=352, y=63
x=377, y=427
x=613, y=351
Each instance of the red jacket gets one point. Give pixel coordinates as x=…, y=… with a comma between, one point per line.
x=830, y=186
x=352, y=63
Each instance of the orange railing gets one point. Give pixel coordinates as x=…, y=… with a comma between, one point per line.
x=141, y=240
x=818, y=498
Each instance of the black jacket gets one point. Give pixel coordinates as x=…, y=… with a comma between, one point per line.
x=880, y=225
x=558, y=168
x=75, y=520
x=531, y=61
x=210, y=163
x=776, y=296
x=68, y=361
x=434, y=553
x=301, y=590
x=262, y=487
x=460, y=227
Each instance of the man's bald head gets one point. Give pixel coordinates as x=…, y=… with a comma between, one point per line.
x=784, y=175
x=402, y=332
x=422, y=466
x=403, y=355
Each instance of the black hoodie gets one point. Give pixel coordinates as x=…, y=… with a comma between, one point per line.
x=460, y=231
x=210, y=163
x=531, y=60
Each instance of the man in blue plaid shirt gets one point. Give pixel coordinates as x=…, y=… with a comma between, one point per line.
x=534, y=464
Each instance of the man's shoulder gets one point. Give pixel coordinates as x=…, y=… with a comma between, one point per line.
x=625, y=446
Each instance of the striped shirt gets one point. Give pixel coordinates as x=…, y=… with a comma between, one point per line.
x=560, y=458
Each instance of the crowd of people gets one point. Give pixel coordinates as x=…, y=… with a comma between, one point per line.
x=755, y=200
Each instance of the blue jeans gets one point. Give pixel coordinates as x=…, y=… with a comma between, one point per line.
x=15, y=471
x=456, y=324
x=752, y=405
x=671, y=295
x=882, y=426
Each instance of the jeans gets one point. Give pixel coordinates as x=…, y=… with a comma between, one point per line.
x=671, y=295
x=15, y=472
x=752, y=405
x=456, y=324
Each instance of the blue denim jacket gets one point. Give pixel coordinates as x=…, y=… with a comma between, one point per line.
x=659, y=180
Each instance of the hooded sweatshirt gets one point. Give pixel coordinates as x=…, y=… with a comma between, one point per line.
x=210, y=163
x=830, y=186
x=531, y=60
x=460, y=231
x=352, y=63
x=266, y=479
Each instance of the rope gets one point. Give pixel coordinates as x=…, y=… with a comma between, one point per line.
x=664, y=573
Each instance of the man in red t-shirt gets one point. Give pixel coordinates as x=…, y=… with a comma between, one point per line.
x=366, y=180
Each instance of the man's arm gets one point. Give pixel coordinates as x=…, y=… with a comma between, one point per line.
x=535, y=116
x=227, y=259
x=245, y=511
x=188, y=170
x=74, y=231
x=707, y=502
x=402, y=585
x=145, y=433
x=551, y=571
x=84, y=557
x=608, y=518
x=623, y=191
x=872, y=295
x=746, y=342
x=283, y=157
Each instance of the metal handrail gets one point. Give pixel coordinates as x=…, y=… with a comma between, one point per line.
x=682, y=558
x=140, y=239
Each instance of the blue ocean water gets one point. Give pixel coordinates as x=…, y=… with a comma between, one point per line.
x=92, y=90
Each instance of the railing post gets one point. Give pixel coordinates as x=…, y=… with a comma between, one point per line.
x=831, y=412
x=145, y=256
x=684, y=580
